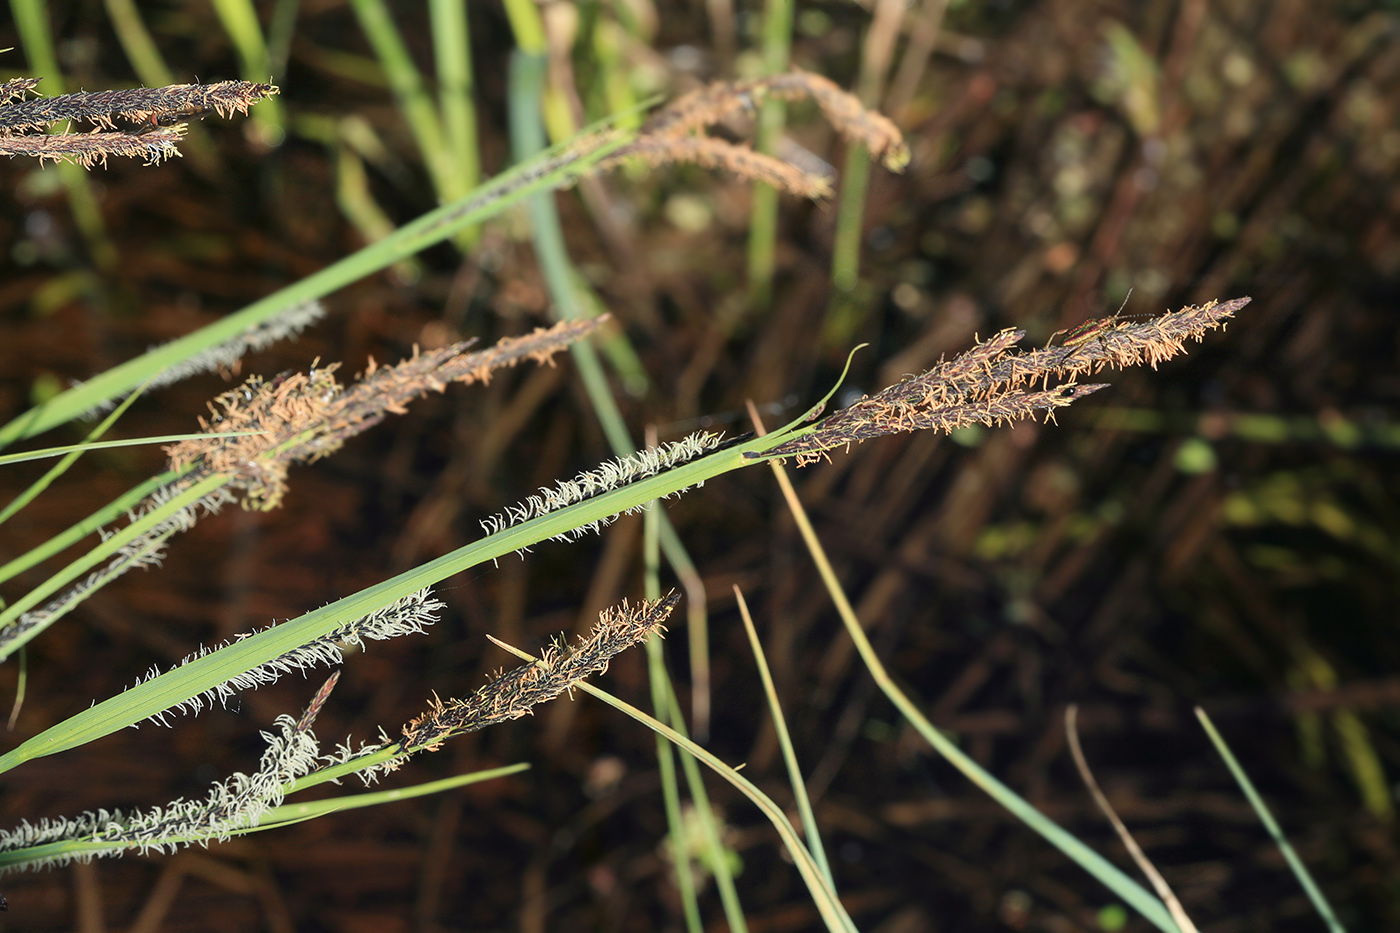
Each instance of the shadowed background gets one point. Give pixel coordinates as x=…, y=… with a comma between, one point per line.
x=1221, y=532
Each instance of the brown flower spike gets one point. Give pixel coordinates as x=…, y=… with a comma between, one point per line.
x=992, y=383
x=512, y=694
x=302, y=417
x=145, y=122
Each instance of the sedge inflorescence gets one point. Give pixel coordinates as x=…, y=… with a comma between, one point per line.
x=994, y=383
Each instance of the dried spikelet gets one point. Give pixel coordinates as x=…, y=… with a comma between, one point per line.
x=846, y=114
x=514, y=693
x=672, y=133
x=300, y=417
x=714, y=153
x=1120, y=343
x=157, y=106
x=698, y=109
x=992, y=383
x=716, y=102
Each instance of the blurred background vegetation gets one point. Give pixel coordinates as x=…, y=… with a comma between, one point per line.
x=1223, y=532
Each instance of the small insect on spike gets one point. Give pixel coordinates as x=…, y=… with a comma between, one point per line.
x=184, y=114
x=1081, y=334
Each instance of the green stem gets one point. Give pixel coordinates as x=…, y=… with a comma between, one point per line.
x=763, y=225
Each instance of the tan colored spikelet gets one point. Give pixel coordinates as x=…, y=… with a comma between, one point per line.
x=17, y=88
x=89, y=149
x=847, y=115
x=297, y=418
x=709, y=152
x=675, y=132
x=301, y=417
x=701, y=108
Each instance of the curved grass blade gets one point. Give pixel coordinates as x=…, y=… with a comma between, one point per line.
x=198, y=676
x=1142, y=900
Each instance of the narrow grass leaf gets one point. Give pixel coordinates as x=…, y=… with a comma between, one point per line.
x=795, y=779
x=240, y=21
x=297, y=812
x=547, y=234
x=90, y=525
x=7, y=459
x=452, y=54
x=763, y=223
x=1266, y=816
x=411, y=94
x=58, y=469
x=659, y=680
x=206, y=673
x=664, y=698
x=17, y=630
x=136, y=42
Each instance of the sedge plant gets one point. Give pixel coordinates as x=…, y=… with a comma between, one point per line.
x=258, y=431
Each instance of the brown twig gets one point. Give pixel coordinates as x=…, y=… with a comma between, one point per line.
x=1144, y=864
